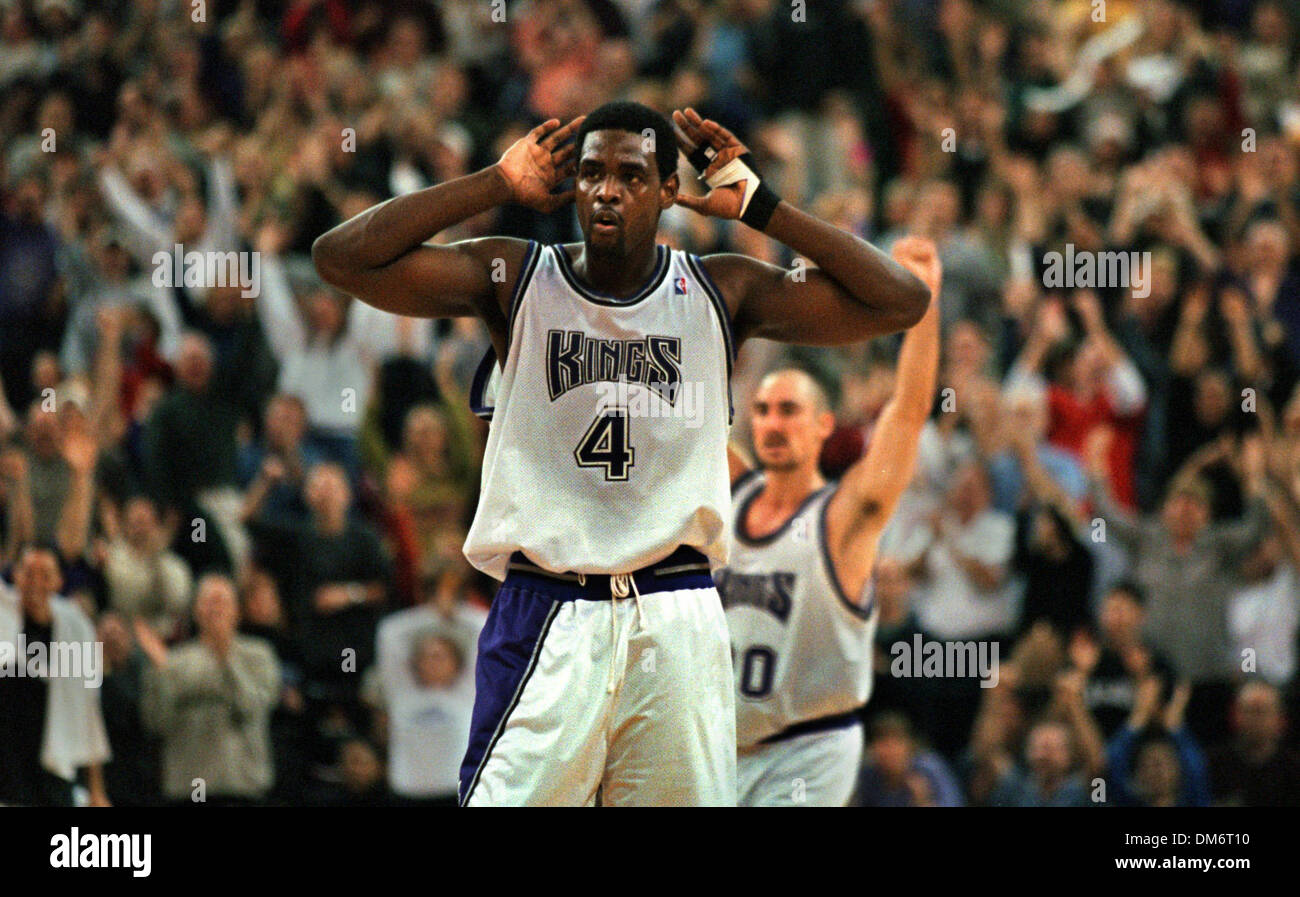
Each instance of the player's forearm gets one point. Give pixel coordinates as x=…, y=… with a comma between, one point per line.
x=864, y=272
x=918, y=367
x=384, y=233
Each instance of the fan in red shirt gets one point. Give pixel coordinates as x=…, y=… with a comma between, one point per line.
x=1091, y=384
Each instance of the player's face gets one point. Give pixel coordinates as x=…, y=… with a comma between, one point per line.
x=788, y=428
x=618, y=193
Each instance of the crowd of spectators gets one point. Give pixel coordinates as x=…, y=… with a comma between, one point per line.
x=257, y=497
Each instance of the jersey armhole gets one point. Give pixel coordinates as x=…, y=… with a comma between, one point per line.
x=862, y=611
x=724, y=321
x=531, y=256
x=482, y=398
x=480, y=402
x=744, y=479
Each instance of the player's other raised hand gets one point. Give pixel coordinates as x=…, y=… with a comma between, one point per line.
x=920, y=256
x=696, y=133
x=536, y=163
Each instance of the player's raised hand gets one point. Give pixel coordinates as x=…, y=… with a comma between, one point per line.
x=536, y=163
x=920, y=256
x=695, y=133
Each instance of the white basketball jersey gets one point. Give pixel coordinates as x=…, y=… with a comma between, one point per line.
x=802, y=650
x=608, y=443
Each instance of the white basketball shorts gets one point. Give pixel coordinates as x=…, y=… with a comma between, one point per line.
x=819, y=769
x=617, y=689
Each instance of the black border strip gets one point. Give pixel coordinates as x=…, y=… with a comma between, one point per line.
x=652, y=284
x=514, y=701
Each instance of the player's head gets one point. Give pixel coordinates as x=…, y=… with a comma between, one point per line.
x=627, y=176
x=791, y=418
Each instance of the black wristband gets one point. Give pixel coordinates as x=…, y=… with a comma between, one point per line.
x=761, y=206
x=764, y=201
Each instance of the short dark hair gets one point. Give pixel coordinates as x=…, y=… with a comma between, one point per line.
x=889, y=723
x=1155, y=734
x=1131, y=589
x=635, y=118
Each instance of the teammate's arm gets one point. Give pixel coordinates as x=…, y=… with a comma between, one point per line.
x=870, y=489
x=381, y=257
x=851, y=292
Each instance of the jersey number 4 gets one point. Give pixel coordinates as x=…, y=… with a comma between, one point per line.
x=605, y=445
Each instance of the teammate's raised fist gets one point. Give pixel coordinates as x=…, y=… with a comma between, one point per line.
x=920, y=256
x=535, y=164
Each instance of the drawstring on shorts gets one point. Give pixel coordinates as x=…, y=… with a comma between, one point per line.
x=619, y=586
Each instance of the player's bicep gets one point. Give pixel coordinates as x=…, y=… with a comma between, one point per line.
x=872, y=487
x=432, y=281
x=804, y=306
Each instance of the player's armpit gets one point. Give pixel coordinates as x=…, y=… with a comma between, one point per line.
x=738, y=464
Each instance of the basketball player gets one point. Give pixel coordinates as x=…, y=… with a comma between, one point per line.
x=604, y=663
x=796, y=587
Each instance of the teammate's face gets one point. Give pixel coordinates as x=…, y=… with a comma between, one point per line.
x=618, y=193
x=789, y=428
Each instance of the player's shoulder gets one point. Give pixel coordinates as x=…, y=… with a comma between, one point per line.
x=511, y=250
x=735, y=276
x=728, y=268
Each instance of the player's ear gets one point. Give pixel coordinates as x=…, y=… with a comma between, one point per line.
x=825, y=424
x=668, y=191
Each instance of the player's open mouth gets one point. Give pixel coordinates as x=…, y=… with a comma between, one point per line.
x=605, y=222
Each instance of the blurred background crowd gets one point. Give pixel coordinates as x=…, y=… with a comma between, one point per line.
x=259, y=500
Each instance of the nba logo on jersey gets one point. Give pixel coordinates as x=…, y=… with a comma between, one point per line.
x=679, y=286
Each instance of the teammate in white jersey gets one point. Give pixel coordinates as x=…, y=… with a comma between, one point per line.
x=603, y=668
x=796, y=587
